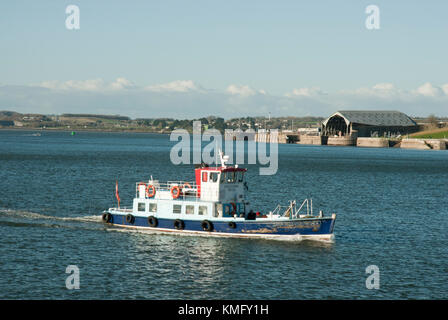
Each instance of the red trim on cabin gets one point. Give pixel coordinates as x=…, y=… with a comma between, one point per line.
x=222, y=169
x=198, y=174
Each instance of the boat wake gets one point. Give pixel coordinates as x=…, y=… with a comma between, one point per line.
x=34, y=215
x=37, y=134
x=329, y=240
x=23, y=218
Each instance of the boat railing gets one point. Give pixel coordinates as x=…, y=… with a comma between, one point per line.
x=123, y=209
x=280, y=210
x=186, y=189
x=291, y=211
x=309, y=208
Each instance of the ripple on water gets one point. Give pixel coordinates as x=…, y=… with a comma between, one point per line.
x=391, y=204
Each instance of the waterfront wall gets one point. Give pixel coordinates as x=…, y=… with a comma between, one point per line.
x=313, y=140
x=240, y=135
x=289, y=137
x=341, y=141
x=266, y=137
x=372, y=142
x=423, y=144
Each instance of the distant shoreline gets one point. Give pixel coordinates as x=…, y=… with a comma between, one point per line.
x=80, y=130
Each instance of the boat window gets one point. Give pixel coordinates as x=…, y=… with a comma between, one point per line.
x=218, y=210
x=203, y=210
x=189, y=209
x=231, y=177
x=204, y=176
x=153, y=207
x=214, y=176
x=242, y=208
x=223, y=177
x=177, y=208
x=141, y=206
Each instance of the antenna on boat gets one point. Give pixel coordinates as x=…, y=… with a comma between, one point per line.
x=223, y=159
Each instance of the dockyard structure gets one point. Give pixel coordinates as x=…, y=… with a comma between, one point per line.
x=355, y=123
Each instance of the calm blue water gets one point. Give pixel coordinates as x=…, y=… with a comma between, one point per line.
x=392, y=208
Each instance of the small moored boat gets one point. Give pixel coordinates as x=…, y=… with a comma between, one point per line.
x=215, y=205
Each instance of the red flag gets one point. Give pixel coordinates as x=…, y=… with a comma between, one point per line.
x=116, y=193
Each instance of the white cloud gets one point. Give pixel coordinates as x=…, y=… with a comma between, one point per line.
x=389, y=91
x=384, y=86
x=383, y=90
x=305, y=92
x=186, y=99
x=445, y=89
x=174, y=86
x=244, y=91
x=89, y=85
x=429, y=90
x=122, y=83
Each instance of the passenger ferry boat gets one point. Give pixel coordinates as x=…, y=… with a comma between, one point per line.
x=215, y=205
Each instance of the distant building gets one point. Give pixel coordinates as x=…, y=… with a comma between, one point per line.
x=240, y=135
x=309, y=131
x=6, y=123
x=368, y=124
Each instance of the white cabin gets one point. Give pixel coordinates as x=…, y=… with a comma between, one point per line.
x=218, y=192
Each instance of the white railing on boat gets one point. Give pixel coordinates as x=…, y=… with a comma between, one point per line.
x=123, y=209
x=187, y=189
x=292, y=211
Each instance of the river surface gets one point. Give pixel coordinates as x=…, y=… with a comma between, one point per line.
x=391, y=205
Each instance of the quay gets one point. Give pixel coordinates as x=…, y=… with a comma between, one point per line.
x=366, y=129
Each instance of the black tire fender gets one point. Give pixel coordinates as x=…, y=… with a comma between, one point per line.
x=130, y=218
x=107, y=217
x=207, y=225
x=152, y=221
x=179, y=224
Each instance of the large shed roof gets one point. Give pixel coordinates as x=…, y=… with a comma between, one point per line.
x=374, y=118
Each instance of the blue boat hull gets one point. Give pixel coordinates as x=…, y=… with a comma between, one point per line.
x=297, y=228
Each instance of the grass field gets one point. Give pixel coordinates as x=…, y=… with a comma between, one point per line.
x=431, y=134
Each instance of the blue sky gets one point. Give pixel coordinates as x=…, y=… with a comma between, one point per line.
x=228, y=58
